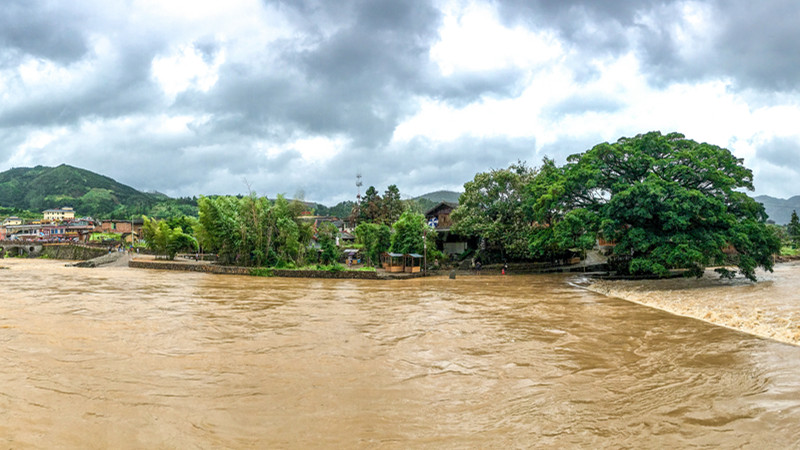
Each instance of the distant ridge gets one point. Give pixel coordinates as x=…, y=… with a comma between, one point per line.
x=90, y=194
x=778, y=209
x=431, y=199
x=441, y=196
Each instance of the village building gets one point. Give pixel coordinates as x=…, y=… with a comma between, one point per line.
x=129, y=230
x=12, y=220
x=8, y=221
x=67, y=230
x=439, y=219
x=57, y=215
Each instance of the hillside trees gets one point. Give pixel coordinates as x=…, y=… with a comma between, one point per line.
x=667, y=202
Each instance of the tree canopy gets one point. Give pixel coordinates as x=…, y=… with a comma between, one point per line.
x=666, y=202
x=493, y=207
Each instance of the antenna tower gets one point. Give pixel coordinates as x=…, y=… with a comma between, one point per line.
x=358, y=185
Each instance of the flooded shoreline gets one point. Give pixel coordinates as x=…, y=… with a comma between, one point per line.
x=769, y=308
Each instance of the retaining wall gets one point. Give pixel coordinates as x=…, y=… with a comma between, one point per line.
x=72, y=252
x=233, y=270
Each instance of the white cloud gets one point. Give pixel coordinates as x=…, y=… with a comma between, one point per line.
x=185, y=68
x=473, y=39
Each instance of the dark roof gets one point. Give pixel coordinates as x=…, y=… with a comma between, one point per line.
x=450, y=205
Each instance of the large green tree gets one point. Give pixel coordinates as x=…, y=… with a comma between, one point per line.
x=492, y=207
x=669, y=202
x=559, y=228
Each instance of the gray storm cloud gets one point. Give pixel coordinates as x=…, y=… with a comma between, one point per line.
x=78, y=87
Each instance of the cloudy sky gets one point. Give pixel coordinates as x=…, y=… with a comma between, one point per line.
x=297, y=96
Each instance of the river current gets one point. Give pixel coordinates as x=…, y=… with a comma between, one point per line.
x=126, y=358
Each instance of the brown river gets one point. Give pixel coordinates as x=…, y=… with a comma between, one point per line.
x=126, y=358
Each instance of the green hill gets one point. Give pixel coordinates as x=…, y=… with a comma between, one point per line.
x=90, y=194
x=441, y=196
x=431, y=199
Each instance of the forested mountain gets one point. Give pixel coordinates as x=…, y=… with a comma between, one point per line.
x=778, y=209
x=431, y=199
x=90, y=194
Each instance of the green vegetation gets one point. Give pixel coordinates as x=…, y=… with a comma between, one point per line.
x=102, y=237
x=427, y=201
x=374, y=239
x=165, y=240
x=381, y=210
x=342, y=209
x=408, y=236
x=252, y=231
x=793, y=230
x=326, y=236
x=492, y=207
x=665, y=201
x=17, y=212
x=790, y=251
x=262, y=272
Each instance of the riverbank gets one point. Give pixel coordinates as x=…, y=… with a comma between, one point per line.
x=769, y=308
x=206, y=267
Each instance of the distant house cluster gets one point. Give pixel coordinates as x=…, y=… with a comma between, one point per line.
x=61, y=225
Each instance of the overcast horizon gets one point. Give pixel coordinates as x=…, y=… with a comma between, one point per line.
x=297, y=97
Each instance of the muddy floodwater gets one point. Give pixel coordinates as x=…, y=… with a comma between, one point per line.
x=125, y=358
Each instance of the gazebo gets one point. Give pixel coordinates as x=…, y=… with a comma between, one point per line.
x=392, y=262
x=412, y=262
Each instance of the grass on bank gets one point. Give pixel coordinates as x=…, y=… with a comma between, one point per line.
x=789, y=251
x=270, y=271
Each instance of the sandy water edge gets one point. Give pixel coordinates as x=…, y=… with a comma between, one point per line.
x=768, y=309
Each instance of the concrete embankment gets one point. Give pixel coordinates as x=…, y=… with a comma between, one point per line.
x=233, y=270
x=72, y=252
x=107, y=259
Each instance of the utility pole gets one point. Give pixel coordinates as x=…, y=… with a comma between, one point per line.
x=425, y=249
